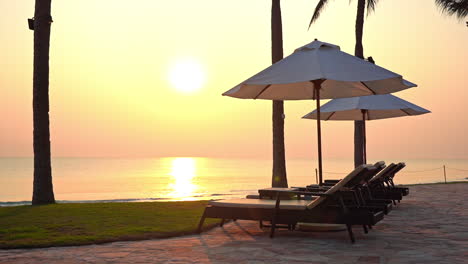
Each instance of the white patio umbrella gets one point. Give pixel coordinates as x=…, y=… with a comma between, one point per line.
x=317, y=71
x=366, y=108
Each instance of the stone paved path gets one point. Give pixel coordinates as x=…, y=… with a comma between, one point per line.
x=429, y=226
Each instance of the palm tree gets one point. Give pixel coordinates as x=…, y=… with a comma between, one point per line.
x=279, y=162
x=43, y=192
x=358, y=52
x=454, y=7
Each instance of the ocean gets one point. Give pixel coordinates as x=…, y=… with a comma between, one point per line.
x=186, y=178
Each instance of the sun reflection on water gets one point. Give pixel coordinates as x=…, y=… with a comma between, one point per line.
x=183, y=171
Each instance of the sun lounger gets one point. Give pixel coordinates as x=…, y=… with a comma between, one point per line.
x=357, y=187
x=391, y=184
x=325, y=207
x=353, y=191
x=381, y=187
x=364, y=178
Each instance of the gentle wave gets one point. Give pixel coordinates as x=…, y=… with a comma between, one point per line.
x=3, y=204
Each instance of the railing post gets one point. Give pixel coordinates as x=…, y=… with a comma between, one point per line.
x=316, y=176
x=445, y=175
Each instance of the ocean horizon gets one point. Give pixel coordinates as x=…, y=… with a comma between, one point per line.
x=78, y=180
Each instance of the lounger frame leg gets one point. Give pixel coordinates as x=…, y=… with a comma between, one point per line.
x=273, y=226
x=221, y=223
x=200, y=224
x=365, y=229
x=273, y=220
x=350, y=232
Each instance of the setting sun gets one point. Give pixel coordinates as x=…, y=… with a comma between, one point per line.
x=187, y=75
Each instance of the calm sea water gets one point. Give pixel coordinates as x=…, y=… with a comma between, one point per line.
x=90, y=179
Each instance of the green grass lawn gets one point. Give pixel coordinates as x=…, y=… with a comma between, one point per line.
x=89, y=223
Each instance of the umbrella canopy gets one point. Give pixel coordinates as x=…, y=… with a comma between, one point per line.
x=375, y=107
x=317, y=71
x=366, y=108
x=343, y=75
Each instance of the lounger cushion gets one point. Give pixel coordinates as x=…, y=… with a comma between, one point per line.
x=261, y=203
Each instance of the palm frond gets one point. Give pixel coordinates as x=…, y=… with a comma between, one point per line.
x=454, y=7
x=371, y=6
x=461, y=8
x=318, y=10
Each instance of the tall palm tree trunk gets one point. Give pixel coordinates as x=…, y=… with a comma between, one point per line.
x=279, y=161
x=359, y=52
x=42, y=187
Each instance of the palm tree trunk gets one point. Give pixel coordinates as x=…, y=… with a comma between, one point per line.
x=42, y=187
x=279, y=161
x=359, y=52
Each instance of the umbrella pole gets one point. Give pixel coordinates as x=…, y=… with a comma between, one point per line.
x=364, y=143
x=317, y=87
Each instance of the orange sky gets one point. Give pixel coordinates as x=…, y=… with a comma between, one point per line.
x=111, y=93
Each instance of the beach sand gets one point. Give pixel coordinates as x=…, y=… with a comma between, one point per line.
x=428, y=226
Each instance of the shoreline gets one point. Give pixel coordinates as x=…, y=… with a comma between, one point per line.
x=433, y=183
x=186, y=199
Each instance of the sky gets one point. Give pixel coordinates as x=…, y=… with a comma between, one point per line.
x=116, y=72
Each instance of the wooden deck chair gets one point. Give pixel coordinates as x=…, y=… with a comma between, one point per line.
x=322, y=209
x=389, y=180
x=380, y=188
x=365, y=177
x=358, y=187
